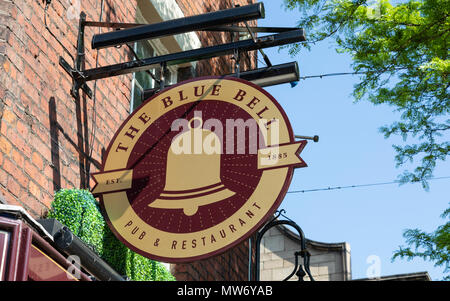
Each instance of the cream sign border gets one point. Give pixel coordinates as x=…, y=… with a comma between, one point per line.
x=265, y=199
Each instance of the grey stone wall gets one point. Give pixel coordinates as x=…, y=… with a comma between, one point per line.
x=329, y=261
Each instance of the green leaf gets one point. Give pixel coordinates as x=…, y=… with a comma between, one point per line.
x=78, y=210
x=402, y=49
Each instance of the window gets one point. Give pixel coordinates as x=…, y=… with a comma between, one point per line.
x=148, y=12
x=142, y=80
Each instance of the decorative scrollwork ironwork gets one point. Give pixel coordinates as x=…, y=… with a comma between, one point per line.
x=299, y=270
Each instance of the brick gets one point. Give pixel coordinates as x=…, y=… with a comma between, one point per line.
x=6, y=66
x=53, y=54
x=48, y=171
x=33, y=206
x=34, y=190
x=10, y=167
x=13, y=186
x=13, y=72
x=182, y=277
x=5, y=7
x=4, y=33
x=3, y=177
x=3, y=132
x=31, y=170
x=22, y=128
x=25, y=99
x=24, y=8
x=9, y=116
x=18, y=158
x=59, y=9
x=44, y=183
x=33, y=48
x=47, y=66
x=37, y=160
x=10, y=199
x=22, y=179
x=19, y=142
x=37, y=23
x=47, y=199
x=30, y=74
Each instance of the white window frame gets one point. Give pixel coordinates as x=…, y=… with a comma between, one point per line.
x=159, y=49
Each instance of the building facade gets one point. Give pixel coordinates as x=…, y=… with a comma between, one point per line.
x=328, y=261
x=51, y=140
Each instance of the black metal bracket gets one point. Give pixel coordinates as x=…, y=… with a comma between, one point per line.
x=224, y=28
x=314, y=138
x=266, y=59
x=193, y=55
x=256, y=76
x=76, y=72
x=80, y=76
x=298, y=270
x=237, y=62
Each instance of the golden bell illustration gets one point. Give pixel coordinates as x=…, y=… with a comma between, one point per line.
x=192, y=177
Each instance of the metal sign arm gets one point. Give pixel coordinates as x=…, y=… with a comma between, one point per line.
x=265, y=57
x=286, y=35
x=192, y=55
x=263, y=77
x=233, y=28
x=178, y=26
x=222, y=28
x=77, y=71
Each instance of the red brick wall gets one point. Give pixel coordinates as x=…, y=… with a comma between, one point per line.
x=230, y=266
x=46, y=136
x=50, y=140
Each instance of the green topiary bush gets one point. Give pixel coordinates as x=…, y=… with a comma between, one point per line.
x=78, y=210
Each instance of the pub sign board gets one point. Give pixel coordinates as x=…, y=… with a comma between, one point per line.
x=197, y=169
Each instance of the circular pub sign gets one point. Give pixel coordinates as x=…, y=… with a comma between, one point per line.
x=197, y=169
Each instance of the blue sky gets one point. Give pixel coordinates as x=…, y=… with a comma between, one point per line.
x=351, y=151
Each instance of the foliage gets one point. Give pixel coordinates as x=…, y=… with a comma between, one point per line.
x=433, y=246
x=401, y=51
x=78, y=210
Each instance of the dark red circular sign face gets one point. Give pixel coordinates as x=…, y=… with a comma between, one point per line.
x=238, y=172
x=197, y=169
